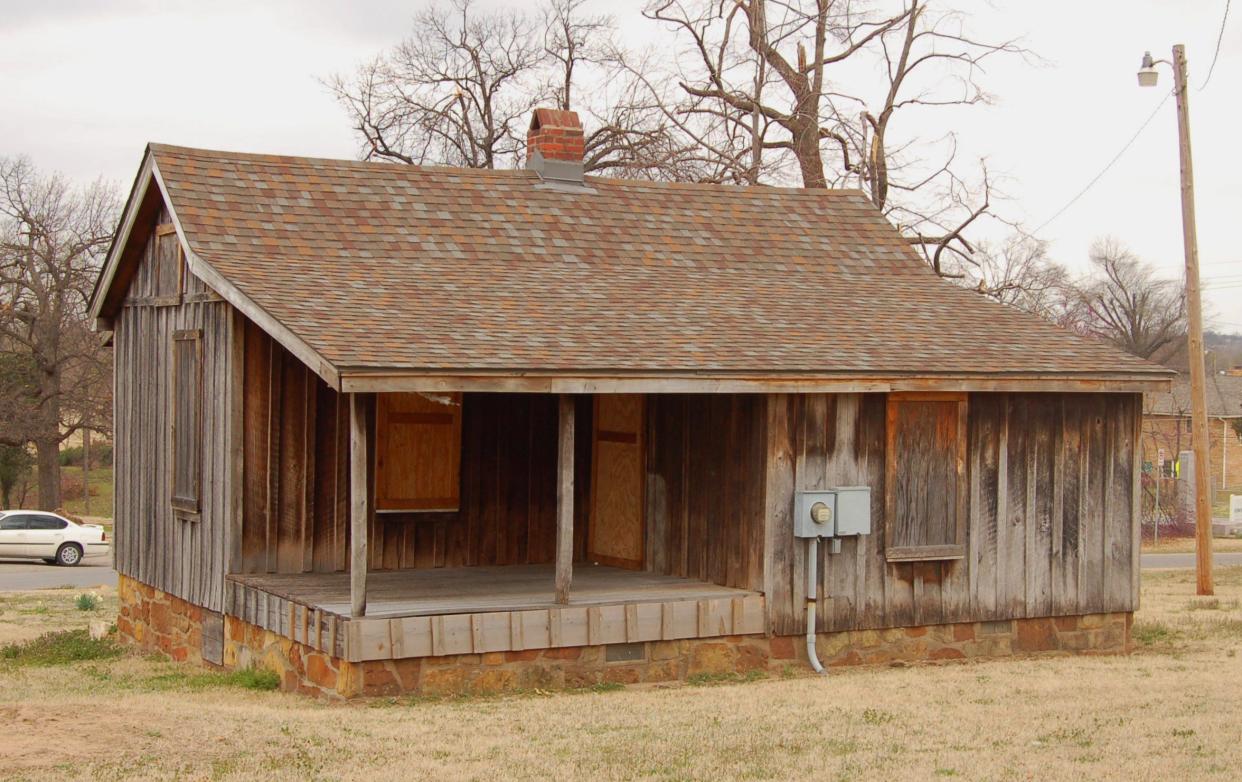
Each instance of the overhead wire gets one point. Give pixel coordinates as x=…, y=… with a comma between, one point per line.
x=1125, y=147
x=1219, y=38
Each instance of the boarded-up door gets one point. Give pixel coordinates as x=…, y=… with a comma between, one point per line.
x=617, y=478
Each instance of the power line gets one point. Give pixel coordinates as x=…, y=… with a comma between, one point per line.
x=1224, y=18
x=1106, y=168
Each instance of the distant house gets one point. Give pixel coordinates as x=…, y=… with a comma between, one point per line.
x=1166, y=427
x=389, y=428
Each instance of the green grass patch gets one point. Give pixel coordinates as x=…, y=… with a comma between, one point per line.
x=1211, y=604
x=1153, y=633
x=59, y=648
x=257, y=679
x=707, y=679
x=877, y=717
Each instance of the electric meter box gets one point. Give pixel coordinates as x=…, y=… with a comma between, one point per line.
x=837, y=512
x=815, y=514
x=853, y=515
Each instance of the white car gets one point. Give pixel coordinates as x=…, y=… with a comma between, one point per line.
x=36, y=534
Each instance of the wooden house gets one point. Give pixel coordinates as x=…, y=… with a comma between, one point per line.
x=394, y=428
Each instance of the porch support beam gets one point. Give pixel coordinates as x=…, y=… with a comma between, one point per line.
x=358, y=510
x=565, y=500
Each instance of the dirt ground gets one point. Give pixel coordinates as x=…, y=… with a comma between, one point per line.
x=1170, y=711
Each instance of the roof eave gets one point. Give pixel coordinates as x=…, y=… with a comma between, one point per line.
x=150, y=173
x=379, y=380
x=120, y=240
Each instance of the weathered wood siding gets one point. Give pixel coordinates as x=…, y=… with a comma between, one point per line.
x=705, y=469
x=183, y=555
x=1050, y=512
x=296, y=492
x=704, y=480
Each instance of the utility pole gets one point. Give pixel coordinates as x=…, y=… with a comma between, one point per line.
x=86, y=472
x=1194, y=309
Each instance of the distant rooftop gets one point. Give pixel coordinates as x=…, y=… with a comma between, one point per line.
x=1224, y=397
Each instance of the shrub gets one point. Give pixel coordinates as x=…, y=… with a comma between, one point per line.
x=101, y=456
x=87, y=601
x=254, y=679
x=72, y=487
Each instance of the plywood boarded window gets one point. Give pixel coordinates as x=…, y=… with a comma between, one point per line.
x=187, y=420
x=925, y=477
x=418, y=452
x=615, y=533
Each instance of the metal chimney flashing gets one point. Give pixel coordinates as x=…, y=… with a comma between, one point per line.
x=560, y=175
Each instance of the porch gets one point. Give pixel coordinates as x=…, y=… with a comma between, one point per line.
x=473, y=610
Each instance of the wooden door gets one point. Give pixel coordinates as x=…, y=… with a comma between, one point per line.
x=618, y=476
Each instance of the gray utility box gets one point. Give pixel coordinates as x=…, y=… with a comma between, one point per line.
x=836, y=512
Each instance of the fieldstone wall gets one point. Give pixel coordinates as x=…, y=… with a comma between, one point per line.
x=154, y=620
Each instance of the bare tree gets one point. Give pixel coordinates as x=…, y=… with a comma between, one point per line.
x=460, y=89
x=626, y=133
x=758, y=83
x=457, y=91
x=572, y=40
x=1130, y=306
x=57, y=377
x=1019, y=273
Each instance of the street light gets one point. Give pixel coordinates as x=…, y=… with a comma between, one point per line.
x=1147, y=77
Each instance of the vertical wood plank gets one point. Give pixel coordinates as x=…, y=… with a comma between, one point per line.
x=1119, y=525
x=778, y=488
x=1135, y=413
x=565, y=500
x=1012, y=581
x=358, y=492
x=1095, y=509
x=1045, y=424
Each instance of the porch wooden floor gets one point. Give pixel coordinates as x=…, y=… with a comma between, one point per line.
x=474, y=609
x=463, y=590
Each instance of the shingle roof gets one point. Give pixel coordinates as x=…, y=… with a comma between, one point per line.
x=375, y=265
x=1224, y=397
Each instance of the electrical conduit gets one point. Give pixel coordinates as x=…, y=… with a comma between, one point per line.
x=812, y=581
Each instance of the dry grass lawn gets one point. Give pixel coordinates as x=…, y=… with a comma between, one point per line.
x=1187, y=546
x=1170, y=711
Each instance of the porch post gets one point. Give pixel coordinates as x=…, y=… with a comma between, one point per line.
x=565, y=500
x=357, y=506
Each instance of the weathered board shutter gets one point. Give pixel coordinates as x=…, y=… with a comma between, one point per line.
x=926, y=477
x=169, y=274
x=187, y=420
x=615, y=533
x=418, y=452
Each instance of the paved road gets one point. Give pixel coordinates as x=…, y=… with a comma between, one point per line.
x=1156, y=561
x=21, y=574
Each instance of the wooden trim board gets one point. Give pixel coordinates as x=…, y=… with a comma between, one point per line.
x=535, y=382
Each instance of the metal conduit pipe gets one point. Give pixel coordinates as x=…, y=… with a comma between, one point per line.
x=812, y=579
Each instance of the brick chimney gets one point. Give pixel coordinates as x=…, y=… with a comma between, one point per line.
x=555, y=146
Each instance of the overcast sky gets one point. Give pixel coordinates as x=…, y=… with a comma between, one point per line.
x=85, y=84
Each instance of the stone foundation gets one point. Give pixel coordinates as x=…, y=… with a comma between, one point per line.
x=159, y=622
x=154, y=620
